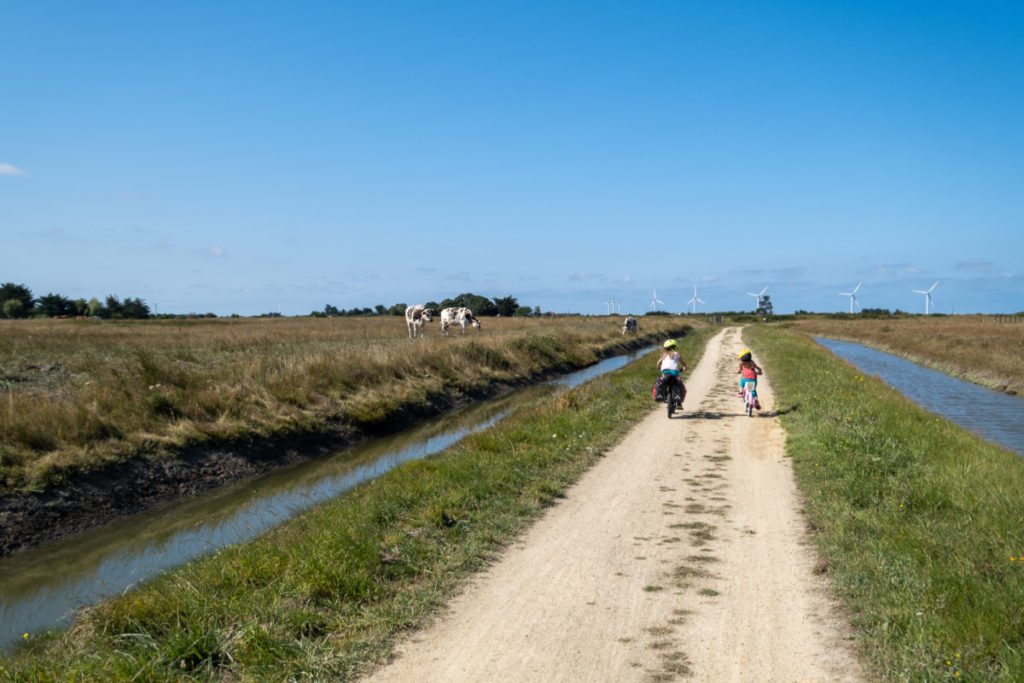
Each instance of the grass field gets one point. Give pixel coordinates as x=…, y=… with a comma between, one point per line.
x=917, y=521
x=78, y=394
x=323, y=597
x=974, y=347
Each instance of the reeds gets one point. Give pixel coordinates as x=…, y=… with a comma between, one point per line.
x=78, y=394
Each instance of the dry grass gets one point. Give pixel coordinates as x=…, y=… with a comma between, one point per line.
x=974, y=347
x=75, y=395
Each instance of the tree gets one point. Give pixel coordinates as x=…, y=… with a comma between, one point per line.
x=135, y=308
x=53, y=305
x=433, y=305
x=764, y=306
x=112, y=307
x=95, y=308
x=506, y=305
x=524, y=311
x=13, y=308
x=10, y=291
x=379, y=309
x=397, y=309
x=331, y=310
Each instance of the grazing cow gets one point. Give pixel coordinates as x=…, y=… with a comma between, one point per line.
x=630, y=325
x=460, y=315
x=415, y=316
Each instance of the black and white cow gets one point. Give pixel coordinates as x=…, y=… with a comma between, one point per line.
x=630, y=325
x=415, y=316
x=461, y=316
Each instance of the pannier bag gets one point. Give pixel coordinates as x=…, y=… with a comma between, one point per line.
x=658, y=393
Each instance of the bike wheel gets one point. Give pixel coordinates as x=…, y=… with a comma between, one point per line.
x=750, y=410
x=670, y=401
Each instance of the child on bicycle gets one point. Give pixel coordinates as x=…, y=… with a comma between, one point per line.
x=748, y=372
x=670, y=365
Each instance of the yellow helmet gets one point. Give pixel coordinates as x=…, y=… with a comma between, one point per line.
x=745, y=354
x=670, y=344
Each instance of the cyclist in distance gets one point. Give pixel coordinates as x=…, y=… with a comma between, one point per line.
x=748, y=372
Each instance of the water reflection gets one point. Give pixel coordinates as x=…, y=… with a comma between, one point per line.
x=996, y=416
x=43, y=587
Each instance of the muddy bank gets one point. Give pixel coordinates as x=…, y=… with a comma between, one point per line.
x=91, y=499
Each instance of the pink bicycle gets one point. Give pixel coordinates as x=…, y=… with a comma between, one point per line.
x=750, y=402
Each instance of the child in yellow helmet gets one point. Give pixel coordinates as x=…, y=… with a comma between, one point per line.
x=748, y=371
x=670, y=365
x=670, y=362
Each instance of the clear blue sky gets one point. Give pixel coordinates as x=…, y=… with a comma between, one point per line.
x=245, y=157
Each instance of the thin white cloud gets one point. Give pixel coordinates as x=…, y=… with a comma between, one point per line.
x=894, y=269
x=579, y=277
x=11, y=169
x=214, y=251
x=977, y=265
x=52, y=234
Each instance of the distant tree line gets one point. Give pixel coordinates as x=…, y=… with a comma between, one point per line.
x=507, y=306
x=17, y=301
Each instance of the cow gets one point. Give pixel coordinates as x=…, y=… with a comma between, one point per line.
x=630, y=325
x=460, y=315
x=415, y=316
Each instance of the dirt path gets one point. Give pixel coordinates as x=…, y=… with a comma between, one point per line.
x=680, y=555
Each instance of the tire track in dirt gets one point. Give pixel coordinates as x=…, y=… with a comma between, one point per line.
x=682, y=554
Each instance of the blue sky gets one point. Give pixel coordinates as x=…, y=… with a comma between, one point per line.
x=249, y=157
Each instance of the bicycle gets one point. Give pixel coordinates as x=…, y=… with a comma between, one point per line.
x=750, y=399
x=675, y=391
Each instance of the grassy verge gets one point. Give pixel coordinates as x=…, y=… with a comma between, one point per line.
x=976, y=348
x=325, y=595
x=918, y=521
x=77, y=396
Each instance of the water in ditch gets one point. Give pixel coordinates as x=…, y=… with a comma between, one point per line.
x=42, y=588
x=993, y=415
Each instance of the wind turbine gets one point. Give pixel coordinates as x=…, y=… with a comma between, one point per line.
x=757, y=297
x=655, y=301
x=927, y=296
x=853, y=296
x=694, y=300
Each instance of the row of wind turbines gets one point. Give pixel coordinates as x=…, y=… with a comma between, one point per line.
x=694, y=300
x=927, y=296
